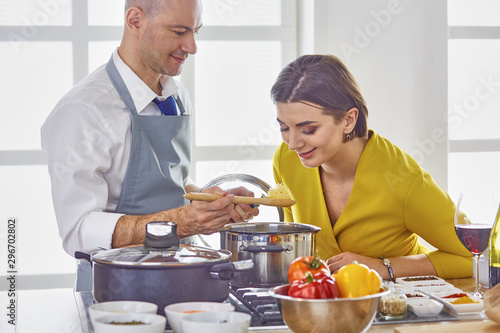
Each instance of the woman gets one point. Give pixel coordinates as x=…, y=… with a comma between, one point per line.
x=371, y=199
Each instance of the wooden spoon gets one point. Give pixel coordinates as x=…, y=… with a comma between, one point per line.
x=237, y=199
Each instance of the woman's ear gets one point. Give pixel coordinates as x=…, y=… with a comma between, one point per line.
x=351, y=118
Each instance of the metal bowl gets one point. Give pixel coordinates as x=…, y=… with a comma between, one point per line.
x=342, y=315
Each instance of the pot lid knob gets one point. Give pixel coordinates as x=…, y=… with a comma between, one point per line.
x=161, y=235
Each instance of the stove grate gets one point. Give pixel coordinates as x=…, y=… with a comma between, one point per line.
x=264, y=307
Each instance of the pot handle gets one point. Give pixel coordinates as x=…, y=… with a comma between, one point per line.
x=226, y=271
x=87, y=254
x=266, y=248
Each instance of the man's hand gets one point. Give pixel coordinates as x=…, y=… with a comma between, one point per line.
x=243, y=212
x=201, y=217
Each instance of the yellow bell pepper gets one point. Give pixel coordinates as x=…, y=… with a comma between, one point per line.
x=356, y=280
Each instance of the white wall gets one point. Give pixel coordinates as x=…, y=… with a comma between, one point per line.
x=397, y=50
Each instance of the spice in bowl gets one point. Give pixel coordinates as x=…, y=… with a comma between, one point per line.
x=455, y=295
x=463, y=300
x=133, y=322
x=394, y=305
x=420, y=278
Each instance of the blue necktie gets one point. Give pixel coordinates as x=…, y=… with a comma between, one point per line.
x=167, y=107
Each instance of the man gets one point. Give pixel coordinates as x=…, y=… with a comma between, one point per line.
x=116, y=163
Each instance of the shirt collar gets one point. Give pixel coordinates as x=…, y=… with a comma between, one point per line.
x=140, y=92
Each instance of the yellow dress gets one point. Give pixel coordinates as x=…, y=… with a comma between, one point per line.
x=393, y=201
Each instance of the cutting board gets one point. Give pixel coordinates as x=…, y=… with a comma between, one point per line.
x=486, y=326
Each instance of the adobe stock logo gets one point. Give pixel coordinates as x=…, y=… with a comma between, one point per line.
x=457, y=114
x=372, y=29
x=470, y=104
x=223, y=7
x=48, y=9
x=251, y=146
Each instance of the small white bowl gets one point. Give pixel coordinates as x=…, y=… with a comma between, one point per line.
x=115, y=307
x=216, y=322
x=152, y=323
x=424, y=307
x=176, y=311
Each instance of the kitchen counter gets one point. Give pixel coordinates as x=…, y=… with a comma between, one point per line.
x=55, y=310
x=42, y=311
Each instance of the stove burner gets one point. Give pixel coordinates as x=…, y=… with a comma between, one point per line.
x=264, y=308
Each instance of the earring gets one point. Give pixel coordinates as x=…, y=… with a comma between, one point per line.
x=348, y=137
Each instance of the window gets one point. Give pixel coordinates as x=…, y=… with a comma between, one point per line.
x=48, y=46
x=242, y=47
x=474, y=99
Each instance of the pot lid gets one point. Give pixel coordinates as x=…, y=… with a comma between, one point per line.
x=161, y=248
x=140, y=256
x=275, y=228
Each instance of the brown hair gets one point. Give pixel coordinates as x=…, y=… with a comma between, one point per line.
x=325, y=81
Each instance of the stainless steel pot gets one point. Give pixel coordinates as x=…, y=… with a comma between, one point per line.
x=162, y=271
x=271, y=245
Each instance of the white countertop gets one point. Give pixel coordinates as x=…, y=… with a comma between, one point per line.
x=42, y=311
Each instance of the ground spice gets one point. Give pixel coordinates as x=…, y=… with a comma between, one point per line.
x=464, y=300
x=455, y=295
x=133, y=322
x=420, y=278
x=431, y=285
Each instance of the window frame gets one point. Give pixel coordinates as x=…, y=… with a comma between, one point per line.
x=471, y=33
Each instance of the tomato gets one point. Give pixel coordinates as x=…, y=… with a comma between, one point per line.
x=301, y=265
x=356, y=280
x=315, y=286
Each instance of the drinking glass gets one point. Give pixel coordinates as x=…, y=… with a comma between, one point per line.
x=473, y=223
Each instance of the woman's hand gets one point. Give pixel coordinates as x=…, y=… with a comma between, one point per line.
x=345, y=258
x=413, y=265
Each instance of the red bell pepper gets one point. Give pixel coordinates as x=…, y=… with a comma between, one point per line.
x=315, y=286
x=301, y=265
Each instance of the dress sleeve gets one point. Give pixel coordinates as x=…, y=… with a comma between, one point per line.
x=78, y=148
x=429, y=213
x=288, y=216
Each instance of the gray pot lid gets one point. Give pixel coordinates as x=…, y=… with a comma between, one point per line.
x=161, y=248
x=181, y=256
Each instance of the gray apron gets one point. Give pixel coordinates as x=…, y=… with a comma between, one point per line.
x=160, y=157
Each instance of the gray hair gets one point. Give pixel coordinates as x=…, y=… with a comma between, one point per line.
x=150, y=7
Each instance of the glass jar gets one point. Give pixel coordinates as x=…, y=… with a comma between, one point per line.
x=393, y=305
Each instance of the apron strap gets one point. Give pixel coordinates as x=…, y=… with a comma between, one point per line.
x=180, y=105
x=120, y=86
